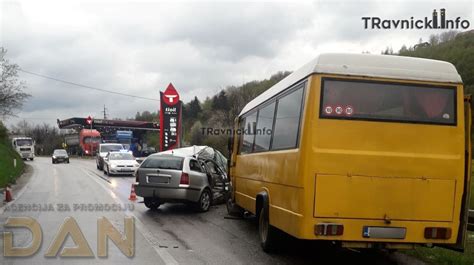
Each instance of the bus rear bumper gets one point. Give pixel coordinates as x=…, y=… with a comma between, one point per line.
x=355, y=233
x=377, y=245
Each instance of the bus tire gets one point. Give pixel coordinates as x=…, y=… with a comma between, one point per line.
x=267, y=233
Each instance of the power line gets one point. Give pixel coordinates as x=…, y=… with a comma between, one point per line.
x=34, y=118
x=85, y=86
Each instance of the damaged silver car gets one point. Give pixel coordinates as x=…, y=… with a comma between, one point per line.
x=194, y=175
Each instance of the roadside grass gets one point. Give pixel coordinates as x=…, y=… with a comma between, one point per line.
x=471, y=199
x=444, y=256
x=8, y=173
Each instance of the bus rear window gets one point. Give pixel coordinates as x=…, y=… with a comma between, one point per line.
x=379, y=101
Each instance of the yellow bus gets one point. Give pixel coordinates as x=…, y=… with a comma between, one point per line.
x=368, y=151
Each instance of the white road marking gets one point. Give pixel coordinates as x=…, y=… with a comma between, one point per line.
x=164, y=254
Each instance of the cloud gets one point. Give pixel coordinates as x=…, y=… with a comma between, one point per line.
x=201, y=47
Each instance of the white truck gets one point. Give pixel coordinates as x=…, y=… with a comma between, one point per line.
x=25, y=146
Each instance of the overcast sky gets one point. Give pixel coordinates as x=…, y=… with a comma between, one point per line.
x=201, y=47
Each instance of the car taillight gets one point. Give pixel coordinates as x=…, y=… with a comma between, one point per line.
x=328, y=229
x=184, y=179
x=87, y=151
x=437, y=233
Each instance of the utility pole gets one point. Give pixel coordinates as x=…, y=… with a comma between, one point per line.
x=105, y=112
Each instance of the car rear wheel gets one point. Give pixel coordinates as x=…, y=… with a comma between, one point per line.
x=151, y=204
x=205, y=201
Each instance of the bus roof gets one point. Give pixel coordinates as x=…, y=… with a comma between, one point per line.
x=369, y=65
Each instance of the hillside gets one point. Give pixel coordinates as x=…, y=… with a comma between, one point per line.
x=457, y=49
x=219, y=111
x=8, y=173
x=216, y=112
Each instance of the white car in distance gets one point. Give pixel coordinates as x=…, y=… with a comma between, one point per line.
x=120, y=163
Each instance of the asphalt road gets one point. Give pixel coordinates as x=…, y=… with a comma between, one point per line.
x=174, y=234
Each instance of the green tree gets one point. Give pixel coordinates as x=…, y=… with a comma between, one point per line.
x=219, y=111
x=146, y=116
x=196, y=135
x=453, y=47
x=194, y=108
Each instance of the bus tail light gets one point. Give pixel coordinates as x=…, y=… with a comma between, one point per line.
x=184, y=179
x=437, y=233
x=328, y=229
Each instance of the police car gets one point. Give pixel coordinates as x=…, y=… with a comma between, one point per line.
x=120, y=163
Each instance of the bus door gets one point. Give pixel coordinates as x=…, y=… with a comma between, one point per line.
x=462, y=234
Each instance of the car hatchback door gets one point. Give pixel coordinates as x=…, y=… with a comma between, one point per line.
x=161, y=171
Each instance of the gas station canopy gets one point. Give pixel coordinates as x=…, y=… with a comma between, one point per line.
x=77, y=123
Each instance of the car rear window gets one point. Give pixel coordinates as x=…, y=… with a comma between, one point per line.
x=121, y=156
x=163, y=162
x=60, y=152
x=383, y=101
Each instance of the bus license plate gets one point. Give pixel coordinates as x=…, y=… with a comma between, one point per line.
x=384, y=232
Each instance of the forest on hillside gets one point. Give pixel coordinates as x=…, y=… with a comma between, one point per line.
x=451, y=46
x=220, y=110
x=216, y=112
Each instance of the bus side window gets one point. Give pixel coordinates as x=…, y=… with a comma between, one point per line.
x=287, y=120
x=246, y=145
x=264, y=128
x=241, y=134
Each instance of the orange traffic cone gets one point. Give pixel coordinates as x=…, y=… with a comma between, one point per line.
x=8, y=194
x=133, y=195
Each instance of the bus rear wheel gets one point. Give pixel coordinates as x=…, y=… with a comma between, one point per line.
x=268, y=234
